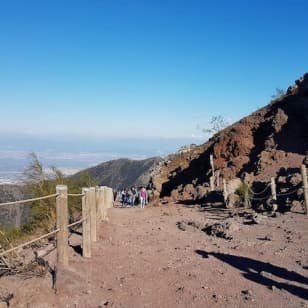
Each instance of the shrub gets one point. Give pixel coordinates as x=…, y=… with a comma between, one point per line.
x=245, y=194
x=43, y=212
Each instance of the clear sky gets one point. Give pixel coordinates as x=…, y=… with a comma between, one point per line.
x=143, y=68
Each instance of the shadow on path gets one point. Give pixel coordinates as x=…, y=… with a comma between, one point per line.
x=251, y=269
x=77, y=249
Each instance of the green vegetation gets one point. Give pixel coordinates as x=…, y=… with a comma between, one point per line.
x=245, y=194
x=279, y=93
x=42, y=213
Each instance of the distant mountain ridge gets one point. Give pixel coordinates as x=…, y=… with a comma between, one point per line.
x=122, y=173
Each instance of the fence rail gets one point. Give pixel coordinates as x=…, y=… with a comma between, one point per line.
x=78, y=222
x=28, y=200
x=29, y=242
x=95, y=203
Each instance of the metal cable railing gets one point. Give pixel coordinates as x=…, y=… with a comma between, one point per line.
x=261, y=192
x=287, y=193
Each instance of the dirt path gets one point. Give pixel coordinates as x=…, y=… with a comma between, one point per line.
x=144, y=259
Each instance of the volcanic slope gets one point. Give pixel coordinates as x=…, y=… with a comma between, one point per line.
x=270, y=140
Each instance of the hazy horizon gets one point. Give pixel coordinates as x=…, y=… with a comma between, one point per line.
x=73, y=154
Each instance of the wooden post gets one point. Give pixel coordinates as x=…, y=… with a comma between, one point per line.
x=212, y=163
x=100, y=203
x=93, y=213
x=97, y=204
x=305, y=186
x=62, y=222
x=111, y=197
x=104, y=203
x=212, y=178
x=225, y=190
x=274, y=195
x=86, y=224
x=107, y=199
x=273, y=189
x=212, y=186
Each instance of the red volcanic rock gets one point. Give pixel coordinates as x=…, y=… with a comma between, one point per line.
x=266, y=143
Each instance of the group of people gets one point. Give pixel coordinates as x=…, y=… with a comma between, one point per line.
x=133, y=196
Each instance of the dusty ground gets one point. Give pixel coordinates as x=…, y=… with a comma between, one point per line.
x=160, y=257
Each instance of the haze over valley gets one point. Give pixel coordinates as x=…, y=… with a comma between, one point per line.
x=71, y=155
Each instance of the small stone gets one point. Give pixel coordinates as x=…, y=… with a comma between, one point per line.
x=273, y=288
x=247, y=292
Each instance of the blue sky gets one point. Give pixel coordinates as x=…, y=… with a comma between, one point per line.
x=143, y=69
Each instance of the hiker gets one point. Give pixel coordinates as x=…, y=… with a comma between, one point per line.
x=149, y=191
x=142, y=197
x=129, y=196
x=123, y=197
x=134, y=196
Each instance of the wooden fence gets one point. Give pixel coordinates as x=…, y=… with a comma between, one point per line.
x=95, y=203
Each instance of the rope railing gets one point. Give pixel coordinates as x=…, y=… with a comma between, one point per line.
x=78, y=222
x=95, y=203
x=29, y=242
x=76, y=195
x=28, y=200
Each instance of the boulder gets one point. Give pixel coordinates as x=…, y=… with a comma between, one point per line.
x=232, y=200
x=279, y=120
x=282, y=179
x=233, y=185
x=306, y=159
x=201, y=192
x=189, y=189
x=297, y=206
x=223, y=229
x=295, y=179
x=175, y=195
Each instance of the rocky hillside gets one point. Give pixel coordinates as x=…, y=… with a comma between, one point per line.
x=270, y=142
x=122, y=173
